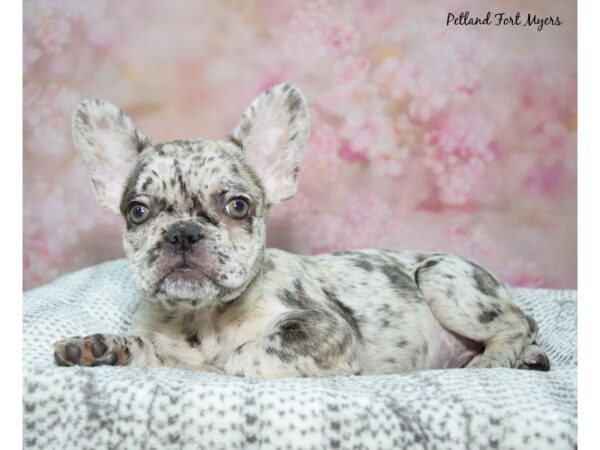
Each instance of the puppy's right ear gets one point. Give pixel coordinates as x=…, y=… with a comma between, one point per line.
x=109, y=143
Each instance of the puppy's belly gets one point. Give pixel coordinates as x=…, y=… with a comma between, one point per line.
x=436, y=348
x=454, y=350
x=414, y=340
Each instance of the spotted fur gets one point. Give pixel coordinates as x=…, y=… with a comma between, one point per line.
x=213, y=298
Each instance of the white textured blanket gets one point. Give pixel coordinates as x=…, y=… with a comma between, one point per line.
x=160, y=408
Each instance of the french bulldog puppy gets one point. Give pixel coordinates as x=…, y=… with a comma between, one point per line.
x=213, y=298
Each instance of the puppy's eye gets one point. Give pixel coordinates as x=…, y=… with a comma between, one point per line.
x=237, y=208
x=138, y=213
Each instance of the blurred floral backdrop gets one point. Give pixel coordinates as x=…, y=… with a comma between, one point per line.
x=461, y=139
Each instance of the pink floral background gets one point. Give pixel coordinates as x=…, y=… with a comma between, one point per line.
x=460, y=139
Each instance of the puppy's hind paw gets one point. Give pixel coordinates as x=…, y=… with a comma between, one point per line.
x=534, y=358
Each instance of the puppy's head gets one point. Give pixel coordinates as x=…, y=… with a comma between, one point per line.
x=194, y=211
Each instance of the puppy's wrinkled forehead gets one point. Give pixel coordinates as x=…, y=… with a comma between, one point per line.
x=186, y=174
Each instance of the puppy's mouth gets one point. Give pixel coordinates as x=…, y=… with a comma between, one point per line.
x=185, y=271
x=185, y=277
x=188, y=273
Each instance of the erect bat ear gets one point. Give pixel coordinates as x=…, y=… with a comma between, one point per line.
x=273, y=133
x=109, y=143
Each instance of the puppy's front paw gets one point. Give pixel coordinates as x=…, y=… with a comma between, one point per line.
x=95, y=350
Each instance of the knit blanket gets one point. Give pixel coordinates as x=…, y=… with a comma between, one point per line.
x=161, y=408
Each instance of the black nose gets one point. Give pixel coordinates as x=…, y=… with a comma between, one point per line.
x=183, y=236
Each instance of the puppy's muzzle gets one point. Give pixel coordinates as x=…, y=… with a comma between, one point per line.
x=183, y=236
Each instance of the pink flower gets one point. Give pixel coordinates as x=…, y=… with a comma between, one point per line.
x=368, y=211
x=343, y=38
x=457, y=151
x=50, y=139
x=444, y=70
x=362, y=223
x=31, y=92
x=102, y=31
x=523, y=273
x=53, y=33
x=321, y=158
x=351, y=154
x=471, y=240
x=316, y=32
x=327, y=233
x=388, y=76
x=31, y=54
x=391, y=165
x=350, y=72
x=544, y=179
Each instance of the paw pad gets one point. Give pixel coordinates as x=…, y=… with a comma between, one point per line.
x=72, y=353
x=98, y=347
x=92, y=350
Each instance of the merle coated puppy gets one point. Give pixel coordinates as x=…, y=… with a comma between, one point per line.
x=213, y=298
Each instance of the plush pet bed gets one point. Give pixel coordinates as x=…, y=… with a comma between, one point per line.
x=161, y=408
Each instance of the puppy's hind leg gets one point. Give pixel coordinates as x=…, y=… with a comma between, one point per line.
x=468, y=300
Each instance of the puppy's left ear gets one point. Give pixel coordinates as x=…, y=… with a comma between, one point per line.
x=273, y=133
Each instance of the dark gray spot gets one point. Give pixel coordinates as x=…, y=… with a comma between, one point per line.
x=345, y=311
x=193, y=340
x=429, y=264
x=269, y=266
x=84, y=117
x=147, y=183
x=153, y=254
x=296, y=298
x=235, y=141
x=402, y=282
x=402, y=343
x=294, y=102
x=533, y=328
x=421, y=257
x=490, y=313
x=363, y=264
x=484, y=281
x=292, y=331
x=129, y=192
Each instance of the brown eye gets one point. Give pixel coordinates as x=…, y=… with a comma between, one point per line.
x=138, y=213
x=237, y=208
